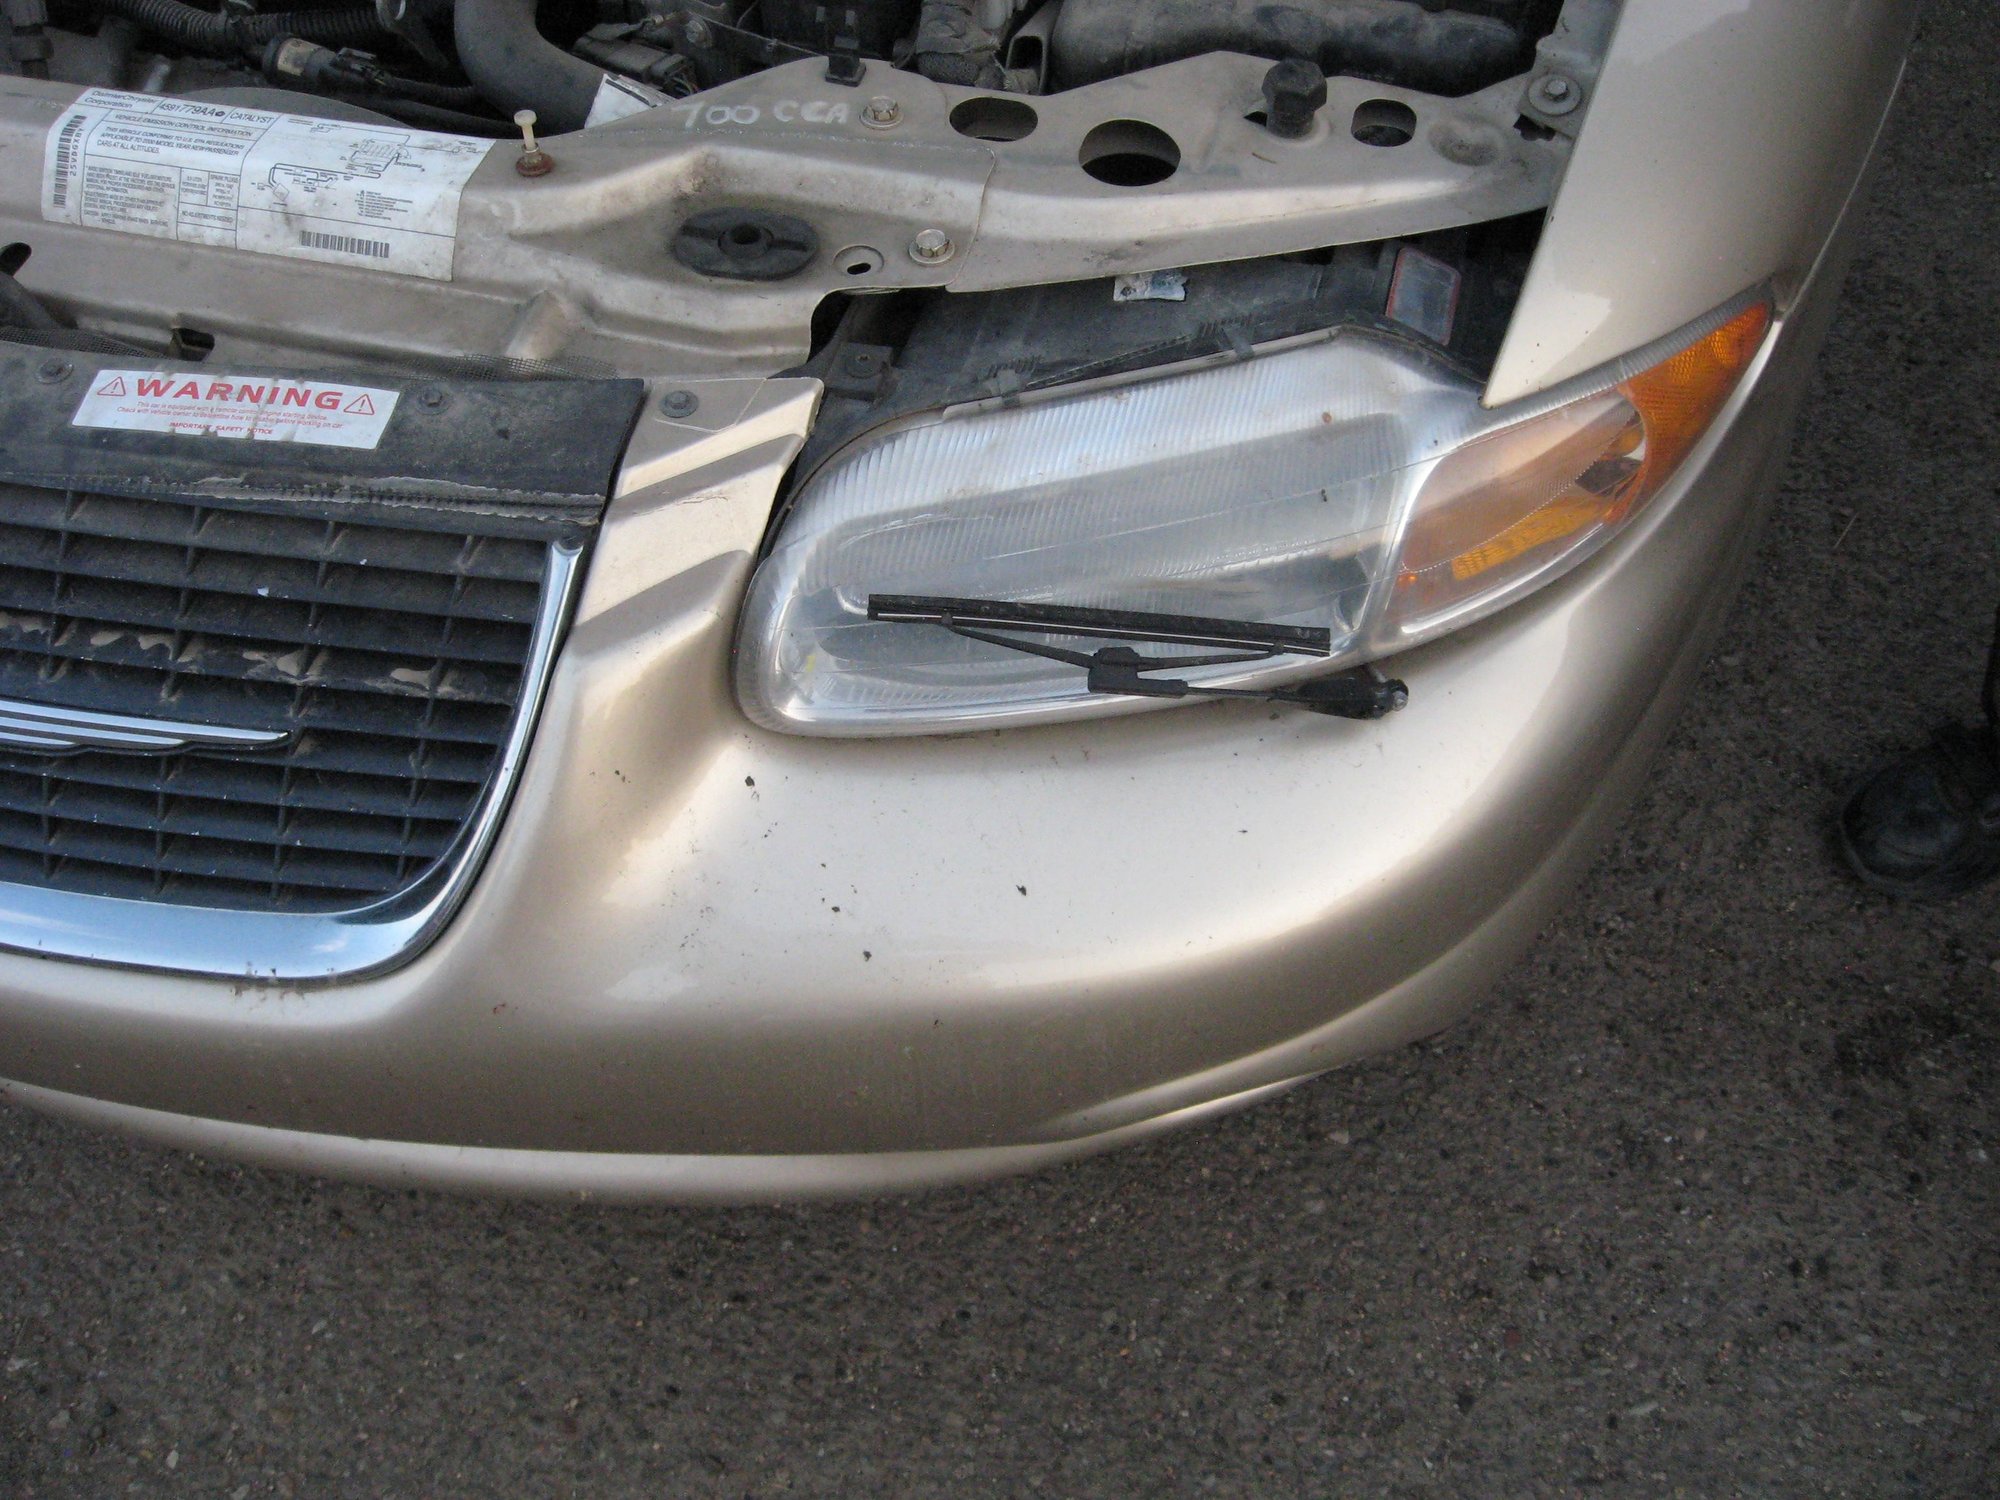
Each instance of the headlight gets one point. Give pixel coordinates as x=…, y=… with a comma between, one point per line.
x=1353, y=484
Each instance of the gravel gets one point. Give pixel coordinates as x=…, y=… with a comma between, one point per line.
x=1704, y=1202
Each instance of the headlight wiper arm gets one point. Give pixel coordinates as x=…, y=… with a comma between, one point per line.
x=1360, y=694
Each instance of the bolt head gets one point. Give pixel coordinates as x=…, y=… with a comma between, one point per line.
x=932, y=247
x=882, y=111
x=696, y=31
x=52, y=371
x=1554, y=94
x=679, y=404
x=536, y=163
x=1294, y=92
x=431, y=398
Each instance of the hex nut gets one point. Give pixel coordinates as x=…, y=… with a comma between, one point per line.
x=882, y=112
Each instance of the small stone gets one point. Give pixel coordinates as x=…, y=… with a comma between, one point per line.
x=1341, y=1138
x=1913, y=1418
x=1643, y=1409
x=16, y=1366
x=59, y=1421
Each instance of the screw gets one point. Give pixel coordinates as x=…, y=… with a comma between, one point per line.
x=432, y=398
x=1294, y=94
x=1553, y=94
x=533, y=160
x=932, y=247
x=882, y=112
x=678, y=404
x=53, y=371
x=697, y=33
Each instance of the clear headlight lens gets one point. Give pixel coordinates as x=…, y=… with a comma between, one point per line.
x=1352, y=484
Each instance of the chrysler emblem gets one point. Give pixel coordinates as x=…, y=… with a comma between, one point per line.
x=53, y=730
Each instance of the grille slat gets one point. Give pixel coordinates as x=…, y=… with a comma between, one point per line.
x=137, y=883
x=214, y=859
x=302, y=581
x=287, y=785
x=367, y=831
x=167, y=692
x=250, y=617
x=232, y=531
x=116, y=644
x=394, y=659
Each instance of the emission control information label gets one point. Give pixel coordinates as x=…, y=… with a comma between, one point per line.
x=385, y=197
x=329, y=413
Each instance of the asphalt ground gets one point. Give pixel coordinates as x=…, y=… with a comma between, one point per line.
x=1703, y=1202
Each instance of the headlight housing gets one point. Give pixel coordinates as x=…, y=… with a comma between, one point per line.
x=1352, y=482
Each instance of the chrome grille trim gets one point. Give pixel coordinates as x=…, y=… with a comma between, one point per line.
x=42, y=726
x=300, y=947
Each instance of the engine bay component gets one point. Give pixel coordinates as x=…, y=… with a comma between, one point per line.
x=960, y=41
x=1396, y=41
x=873, y=27
x=225, y=33
x=467, y=66
x=514, y=67
x=738, y=244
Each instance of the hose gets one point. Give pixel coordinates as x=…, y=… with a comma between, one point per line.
x=292, y=62
x=208, y=31
x=1418, y=45
x=21, y=308
x=447, y=96
x=514, y=67
x=429, y=116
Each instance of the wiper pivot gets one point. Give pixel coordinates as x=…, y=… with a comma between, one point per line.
x=1360, y=694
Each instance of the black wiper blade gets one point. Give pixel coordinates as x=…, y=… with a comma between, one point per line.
x=1360, y=694
x=1105, y=624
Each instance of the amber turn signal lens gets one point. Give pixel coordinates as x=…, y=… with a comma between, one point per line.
x=1677, y=398
x=1503, y=511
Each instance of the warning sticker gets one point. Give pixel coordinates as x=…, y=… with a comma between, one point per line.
x=208, y=174
x=258, y=407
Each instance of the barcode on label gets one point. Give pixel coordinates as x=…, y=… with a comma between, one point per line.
x=66, y=157
x=312, y=239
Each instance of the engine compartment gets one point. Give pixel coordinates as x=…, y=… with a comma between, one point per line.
x=913, y=201
x=469, y=65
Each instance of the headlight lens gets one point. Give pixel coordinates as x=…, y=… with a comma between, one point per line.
x=1353, y=484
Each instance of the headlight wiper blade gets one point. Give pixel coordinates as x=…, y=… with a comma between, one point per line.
x=1360, y=694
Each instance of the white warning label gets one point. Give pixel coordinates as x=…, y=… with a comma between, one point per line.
x=257, y=407
x=208, y=174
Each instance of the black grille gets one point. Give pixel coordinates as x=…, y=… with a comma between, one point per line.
x=395, y=658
